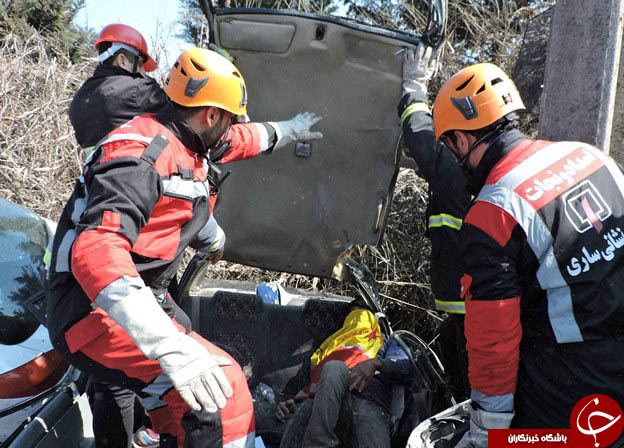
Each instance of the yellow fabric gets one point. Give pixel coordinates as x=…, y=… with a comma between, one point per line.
x=444, y=219
x=360, y=330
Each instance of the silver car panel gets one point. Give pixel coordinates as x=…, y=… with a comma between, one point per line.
x=298, y=208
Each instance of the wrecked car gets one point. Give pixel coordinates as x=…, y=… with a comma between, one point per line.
x=307, y=205
x=299, y=212
x=43, y=401
x=41, y=396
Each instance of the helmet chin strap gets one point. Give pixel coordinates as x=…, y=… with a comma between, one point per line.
x=135, y=63
x=220, y=147
x=463, y=162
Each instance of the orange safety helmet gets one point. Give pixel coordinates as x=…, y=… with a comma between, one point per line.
x=125, y=34
x=474, y=98
x=202, y=77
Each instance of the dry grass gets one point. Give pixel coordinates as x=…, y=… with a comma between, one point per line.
x=39, y=157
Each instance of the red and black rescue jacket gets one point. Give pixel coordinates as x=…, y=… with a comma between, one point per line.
x=142, y=199
x=543, y=253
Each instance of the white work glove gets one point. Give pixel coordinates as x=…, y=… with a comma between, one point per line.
x=419, y=65
x=480, y=422
x=194, y=372
x=295, y=129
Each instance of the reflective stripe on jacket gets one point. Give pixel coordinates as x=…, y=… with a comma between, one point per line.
x=137, y=207
x=543, y=266
x=447, y=203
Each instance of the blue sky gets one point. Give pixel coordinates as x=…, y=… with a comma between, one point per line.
x=155, y=19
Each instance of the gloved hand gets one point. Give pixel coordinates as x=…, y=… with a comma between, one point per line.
x=214, y=257
x=480, y=422
x=295, y=129
x=419, y=65
x=210, y=241
x=194, y=372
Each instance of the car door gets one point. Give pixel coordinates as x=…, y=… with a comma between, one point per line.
x=300, y=207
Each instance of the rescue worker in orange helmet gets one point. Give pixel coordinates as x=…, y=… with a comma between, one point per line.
x=118, y=90
x=543, y=264
x=142, y=199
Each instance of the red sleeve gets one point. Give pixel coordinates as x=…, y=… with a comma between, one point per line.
x=491, y=289
x=99, y=257
x=248, y=140
x=493, y=334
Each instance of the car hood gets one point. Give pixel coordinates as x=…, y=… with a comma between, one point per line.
x=299, y=208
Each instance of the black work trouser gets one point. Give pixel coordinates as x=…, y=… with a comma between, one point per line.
x=452, y=343
x=113, y=410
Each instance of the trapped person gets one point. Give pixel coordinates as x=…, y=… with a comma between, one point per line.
x=543, y=264
x=142, y=199
x=448, y=201
x=118, y=90
x=349, y=397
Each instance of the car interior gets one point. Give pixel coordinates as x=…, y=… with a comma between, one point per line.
x=271, y=342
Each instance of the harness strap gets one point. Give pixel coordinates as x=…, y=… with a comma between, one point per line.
x=154, y=149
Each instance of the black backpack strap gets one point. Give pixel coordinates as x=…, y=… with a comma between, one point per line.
x=154, y=149
x=185, y=174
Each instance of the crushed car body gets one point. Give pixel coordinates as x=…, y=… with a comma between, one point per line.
x=300, y=213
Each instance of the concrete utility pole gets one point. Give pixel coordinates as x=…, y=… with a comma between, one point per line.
x=583, y=95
